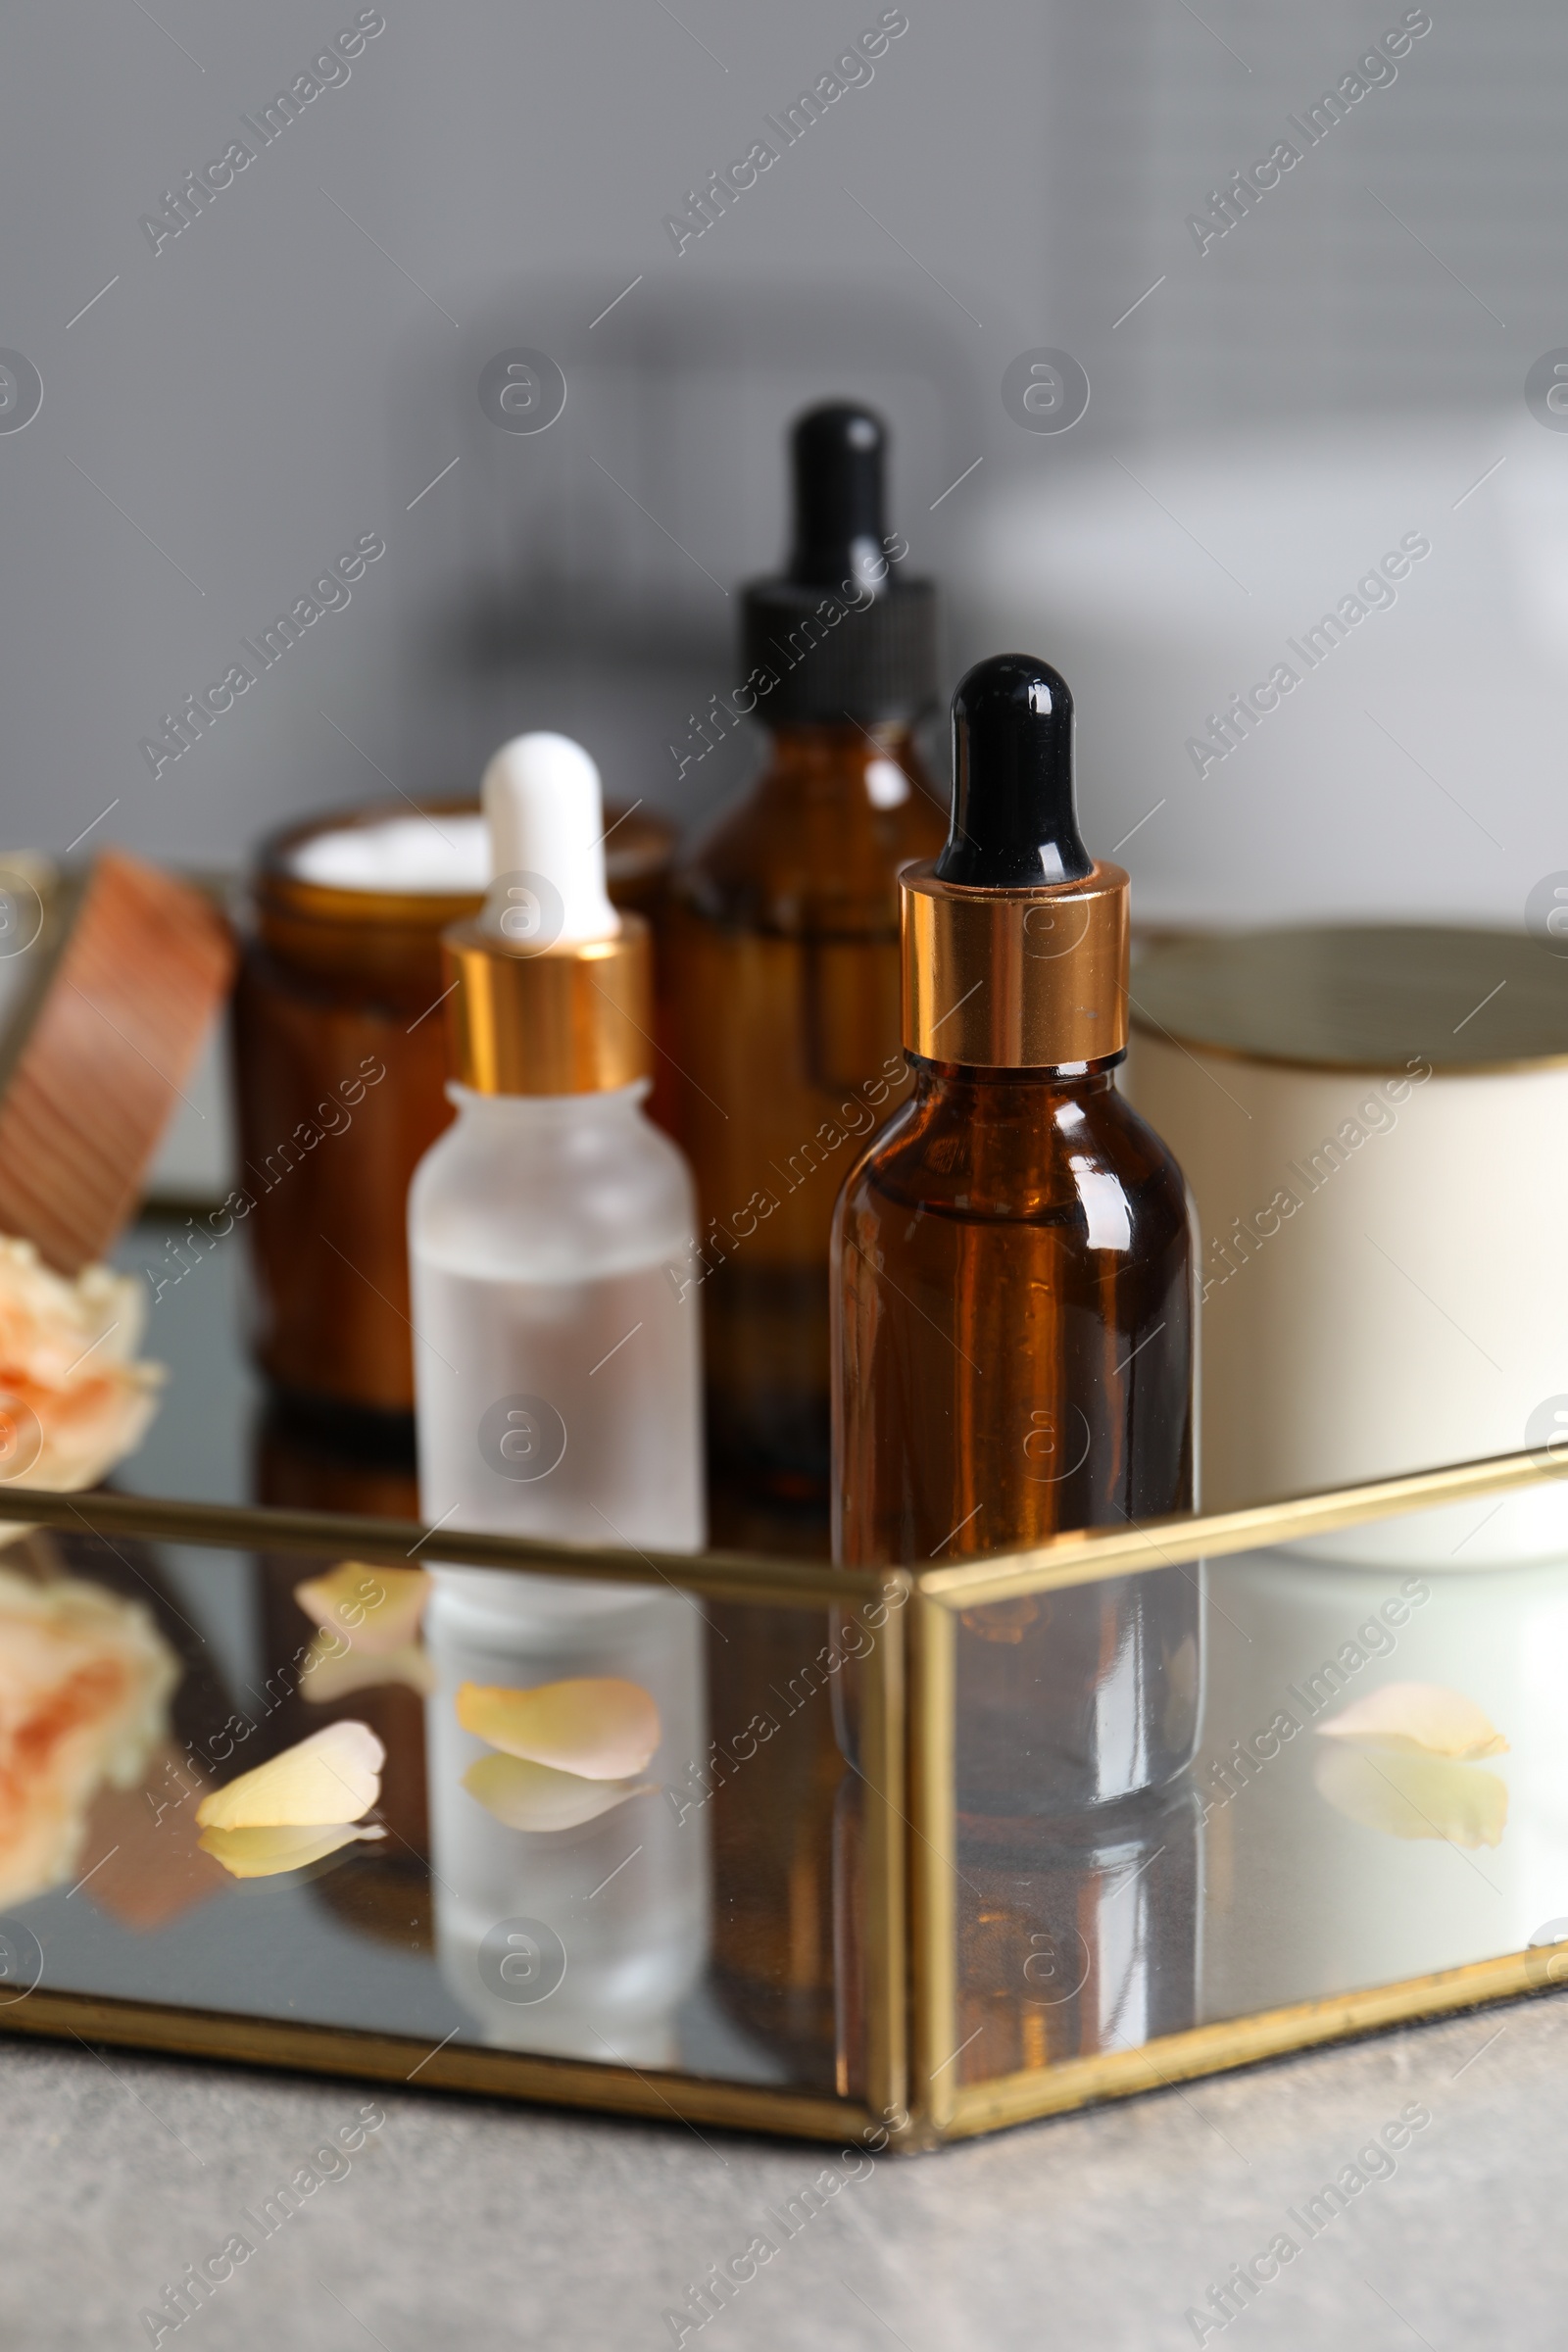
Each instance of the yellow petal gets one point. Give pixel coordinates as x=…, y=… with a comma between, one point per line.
x=1418, y=1719
x=263, y=1853
x=599, y=1727
x=1414, y=1797
x=334, y=1776
x=378, y=1609
x=533, y=1796
x=329, y=1671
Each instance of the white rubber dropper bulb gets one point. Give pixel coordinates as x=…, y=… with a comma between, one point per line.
x=545, y=811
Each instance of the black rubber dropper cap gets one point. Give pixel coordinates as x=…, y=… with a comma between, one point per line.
x=840, y=460
x=844, y=636
x=1013, y=819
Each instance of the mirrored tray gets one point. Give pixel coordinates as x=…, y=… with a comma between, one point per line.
x=742, y=1837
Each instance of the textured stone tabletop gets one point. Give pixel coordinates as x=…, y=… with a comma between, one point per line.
x=459, y=2222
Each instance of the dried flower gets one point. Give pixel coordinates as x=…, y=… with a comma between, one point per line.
x=72, y=1400
x=85, y=1678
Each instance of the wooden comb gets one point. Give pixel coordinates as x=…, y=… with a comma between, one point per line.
x=128, y=979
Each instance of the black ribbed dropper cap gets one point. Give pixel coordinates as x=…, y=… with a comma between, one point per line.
x=834, y=655
x=1013, y=819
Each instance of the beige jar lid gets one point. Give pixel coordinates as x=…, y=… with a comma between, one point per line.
x=1358, y=996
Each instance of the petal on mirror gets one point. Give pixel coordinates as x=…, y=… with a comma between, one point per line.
x=533, y=1796
x=376, y=1609
x=1414, y=1795
x=333, y=1776
x=331, y=1671
x=266, y=1853
x=599, y=1727
x=1424, y=1719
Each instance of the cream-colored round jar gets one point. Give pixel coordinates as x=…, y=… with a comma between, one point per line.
x=1374, y=1125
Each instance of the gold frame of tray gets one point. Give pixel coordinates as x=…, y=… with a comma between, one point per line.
x=912, y=2098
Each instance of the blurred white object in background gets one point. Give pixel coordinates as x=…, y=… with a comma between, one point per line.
x=1414, y=765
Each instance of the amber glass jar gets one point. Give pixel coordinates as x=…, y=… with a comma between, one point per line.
x=340, y=1061
x=781, y=958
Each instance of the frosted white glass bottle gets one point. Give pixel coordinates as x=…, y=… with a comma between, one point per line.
x=558, y=1367
x=558, y=1382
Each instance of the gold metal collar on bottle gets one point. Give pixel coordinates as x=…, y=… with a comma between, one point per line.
x=1015, y=979
x=573, y=1019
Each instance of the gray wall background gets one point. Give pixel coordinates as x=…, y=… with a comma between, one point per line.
x=296, y=367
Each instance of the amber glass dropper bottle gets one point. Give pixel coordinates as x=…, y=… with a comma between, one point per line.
x=1014, y=1299
x=779, y=971
x=781, y=951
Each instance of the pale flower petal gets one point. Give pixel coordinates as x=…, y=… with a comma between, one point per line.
x=531, y=1796
x=329, y=1671
x=600, y=1727
x=378, y=1609
x=265, y=1853
x=1414, y=1795
x=333, y=1776
x=1418, y=1719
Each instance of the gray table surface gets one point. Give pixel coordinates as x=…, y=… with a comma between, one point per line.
x=463, y=2222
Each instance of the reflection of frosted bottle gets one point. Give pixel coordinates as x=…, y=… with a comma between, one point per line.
x=583, y=1941
x=557, y=1378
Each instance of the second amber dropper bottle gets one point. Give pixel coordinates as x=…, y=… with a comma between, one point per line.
x=781, y=953
x=1014, y=1296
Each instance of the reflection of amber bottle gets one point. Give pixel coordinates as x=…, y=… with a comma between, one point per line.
x=774, y=1771
x=1080, y=1934
x=1076, y=1931
x=781, y=951
x=1013, y=1288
